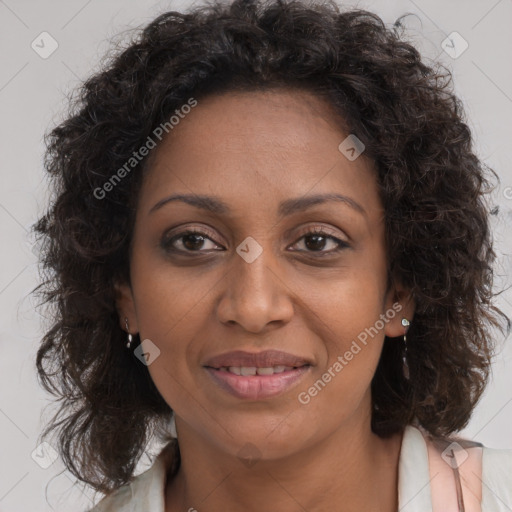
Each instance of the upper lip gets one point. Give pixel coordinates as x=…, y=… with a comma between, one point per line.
x=265, y=359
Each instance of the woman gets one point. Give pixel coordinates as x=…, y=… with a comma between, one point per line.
x=269, y=227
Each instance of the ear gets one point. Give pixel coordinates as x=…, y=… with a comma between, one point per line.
x=399, y=305
x=125, y=306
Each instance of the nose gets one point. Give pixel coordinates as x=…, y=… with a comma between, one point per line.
x=255, y=295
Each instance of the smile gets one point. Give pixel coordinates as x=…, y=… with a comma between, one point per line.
x=253, y=370
x=254, y=383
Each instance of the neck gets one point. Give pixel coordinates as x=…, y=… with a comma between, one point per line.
x=353, y=468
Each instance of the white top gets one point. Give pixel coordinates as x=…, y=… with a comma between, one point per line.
x=415, y=493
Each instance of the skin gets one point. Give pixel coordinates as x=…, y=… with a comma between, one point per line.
x=253, y=150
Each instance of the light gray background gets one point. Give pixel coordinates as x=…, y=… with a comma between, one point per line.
x=32, y=98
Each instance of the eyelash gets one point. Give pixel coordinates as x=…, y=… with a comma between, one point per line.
x=167, y=244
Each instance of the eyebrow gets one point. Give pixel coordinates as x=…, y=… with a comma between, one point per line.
x=288, y=207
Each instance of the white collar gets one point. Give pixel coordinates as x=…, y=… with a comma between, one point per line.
x=147, y=490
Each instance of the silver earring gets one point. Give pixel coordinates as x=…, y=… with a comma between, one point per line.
x=130, y=337
x=405, y=366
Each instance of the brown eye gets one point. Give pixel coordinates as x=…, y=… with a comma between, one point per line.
x=189, y=241
x=317, y=240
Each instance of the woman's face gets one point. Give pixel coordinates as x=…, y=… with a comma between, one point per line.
x=272, y=266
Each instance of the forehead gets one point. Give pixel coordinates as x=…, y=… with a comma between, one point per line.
x=255, y=146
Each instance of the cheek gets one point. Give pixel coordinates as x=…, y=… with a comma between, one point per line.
x=178, y=338
x=345, y=313
x=172, y=308
x=168, y=299
x=351, y=347
x=352, y=332
x=172, y=317
x=345, y=302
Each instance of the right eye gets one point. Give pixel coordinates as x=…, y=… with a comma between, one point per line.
x=187, y=241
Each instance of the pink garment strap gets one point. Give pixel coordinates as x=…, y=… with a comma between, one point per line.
x=455, y=467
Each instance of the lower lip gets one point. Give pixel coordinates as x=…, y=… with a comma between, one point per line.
x=255, y=387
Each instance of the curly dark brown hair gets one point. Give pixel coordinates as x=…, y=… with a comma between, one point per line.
x=431, y=183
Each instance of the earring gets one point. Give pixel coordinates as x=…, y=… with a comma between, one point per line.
x=130, y=337
x=405, y=366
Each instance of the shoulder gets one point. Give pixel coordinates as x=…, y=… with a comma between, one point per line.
x=496, y=479
x=468, y=469
x=145, y=491
x=119, y=500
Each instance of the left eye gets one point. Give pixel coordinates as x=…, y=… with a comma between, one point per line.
x=318, y=241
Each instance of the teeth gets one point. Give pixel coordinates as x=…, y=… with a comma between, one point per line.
x=265, y=371
x=252, y=370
